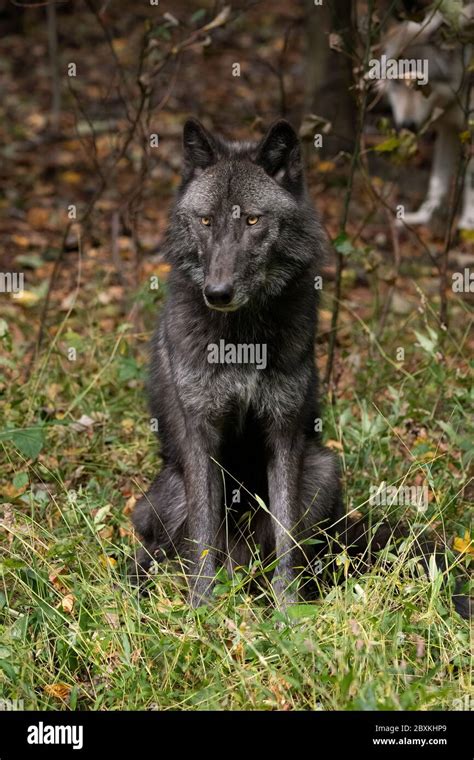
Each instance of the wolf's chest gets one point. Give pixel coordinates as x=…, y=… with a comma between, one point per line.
x=248, y=389
x=219, y=388
x=236, y=387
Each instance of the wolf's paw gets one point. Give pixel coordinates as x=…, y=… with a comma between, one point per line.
x=139, y=568
x=422, y=217
x=430, y=212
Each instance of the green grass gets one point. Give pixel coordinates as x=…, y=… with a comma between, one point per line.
x=73, y=634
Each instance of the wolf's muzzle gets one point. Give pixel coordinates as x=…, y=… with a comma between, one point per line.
x=220, y=294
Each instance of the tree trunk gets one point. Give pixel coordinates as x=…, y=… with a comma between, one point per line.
x=329, y=76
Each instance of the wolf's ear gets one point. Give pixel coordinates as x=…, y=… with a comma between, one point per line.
x=198, y=147
x=279, y=154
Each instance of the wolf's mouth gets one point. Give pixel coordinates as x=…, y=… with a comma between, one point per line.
x=228, y=308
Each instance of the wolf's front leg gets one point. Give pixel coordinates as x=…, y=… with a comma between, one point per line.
x=466, y=221
x=284, y=469
x=203, y=485
x=445, y=156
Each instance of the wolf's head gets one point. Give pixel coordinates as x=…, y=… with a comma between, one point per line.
x=420, y=44
x=242, y=226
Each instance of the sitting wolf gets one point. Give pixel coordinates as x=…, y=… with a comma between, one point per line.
x=233, y=382
x=245, y=246
x=444, y=103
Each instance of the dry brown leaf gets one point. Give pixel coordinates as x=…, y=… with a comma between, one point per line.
x=83, y=423
x=67, y=603
x=26, y=298
x=36, y=121
x=129, y=505
x=326, y=166
x=127, y=425
x=21, y=241
x=58, y=690
x=332, y=444
x=52, y=391
x=38, y=217
x=11, y=492
x=420, y=647
x=56, y=581
x=112, y=619
x=71, y=178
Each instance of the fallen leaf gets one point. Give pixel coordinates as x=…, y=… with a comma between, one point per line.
x=464, y=545
x=355, y=627
x=68, y=301
x=58, y=690
x=331, y=444
x=36, y=121
x=52, y=391
x=420, y=647
x=11, y=491
x=26, y=298
x=21, y=240
x=38, y=217
x=83, y=423
x=326, y=166
x=129, y=505
x=112, y=619
x=54, y=578
x=162, y=269
x=67, y=603
x=127, y=424
x=107, y=561
x=72, y=178
x=219, y=20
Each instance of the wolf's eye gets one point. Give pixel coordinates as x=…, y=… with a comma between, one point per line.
x=252, y=219
x=206, y=221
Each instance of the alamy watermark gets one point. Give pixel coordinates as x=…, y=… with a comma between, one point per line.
x=237, y=353
x=12, y=705
x=43, y=733
x=407, y=69
x=465, y=703
x=463, y=282
x=12, y=282
x=383, y=495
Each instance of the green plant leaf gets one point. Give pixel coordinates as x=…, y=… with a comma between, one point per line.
x=28, y=441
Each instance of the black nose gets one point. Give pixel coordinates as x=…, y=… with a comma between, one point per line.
x=220, y=294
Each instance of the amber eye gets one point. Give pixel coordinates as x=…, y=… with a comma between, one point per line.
x=252, y=220
x=206, y=221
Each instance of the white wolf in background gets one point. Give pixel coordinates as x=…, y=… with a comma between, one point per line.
x=443, y=103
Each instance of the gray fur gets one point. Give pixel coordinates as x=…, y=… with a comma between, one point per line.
x=225, y=424
x=443, y=104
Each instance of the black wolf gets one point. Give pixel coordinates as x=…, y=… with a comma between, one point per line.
x=233, y=381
